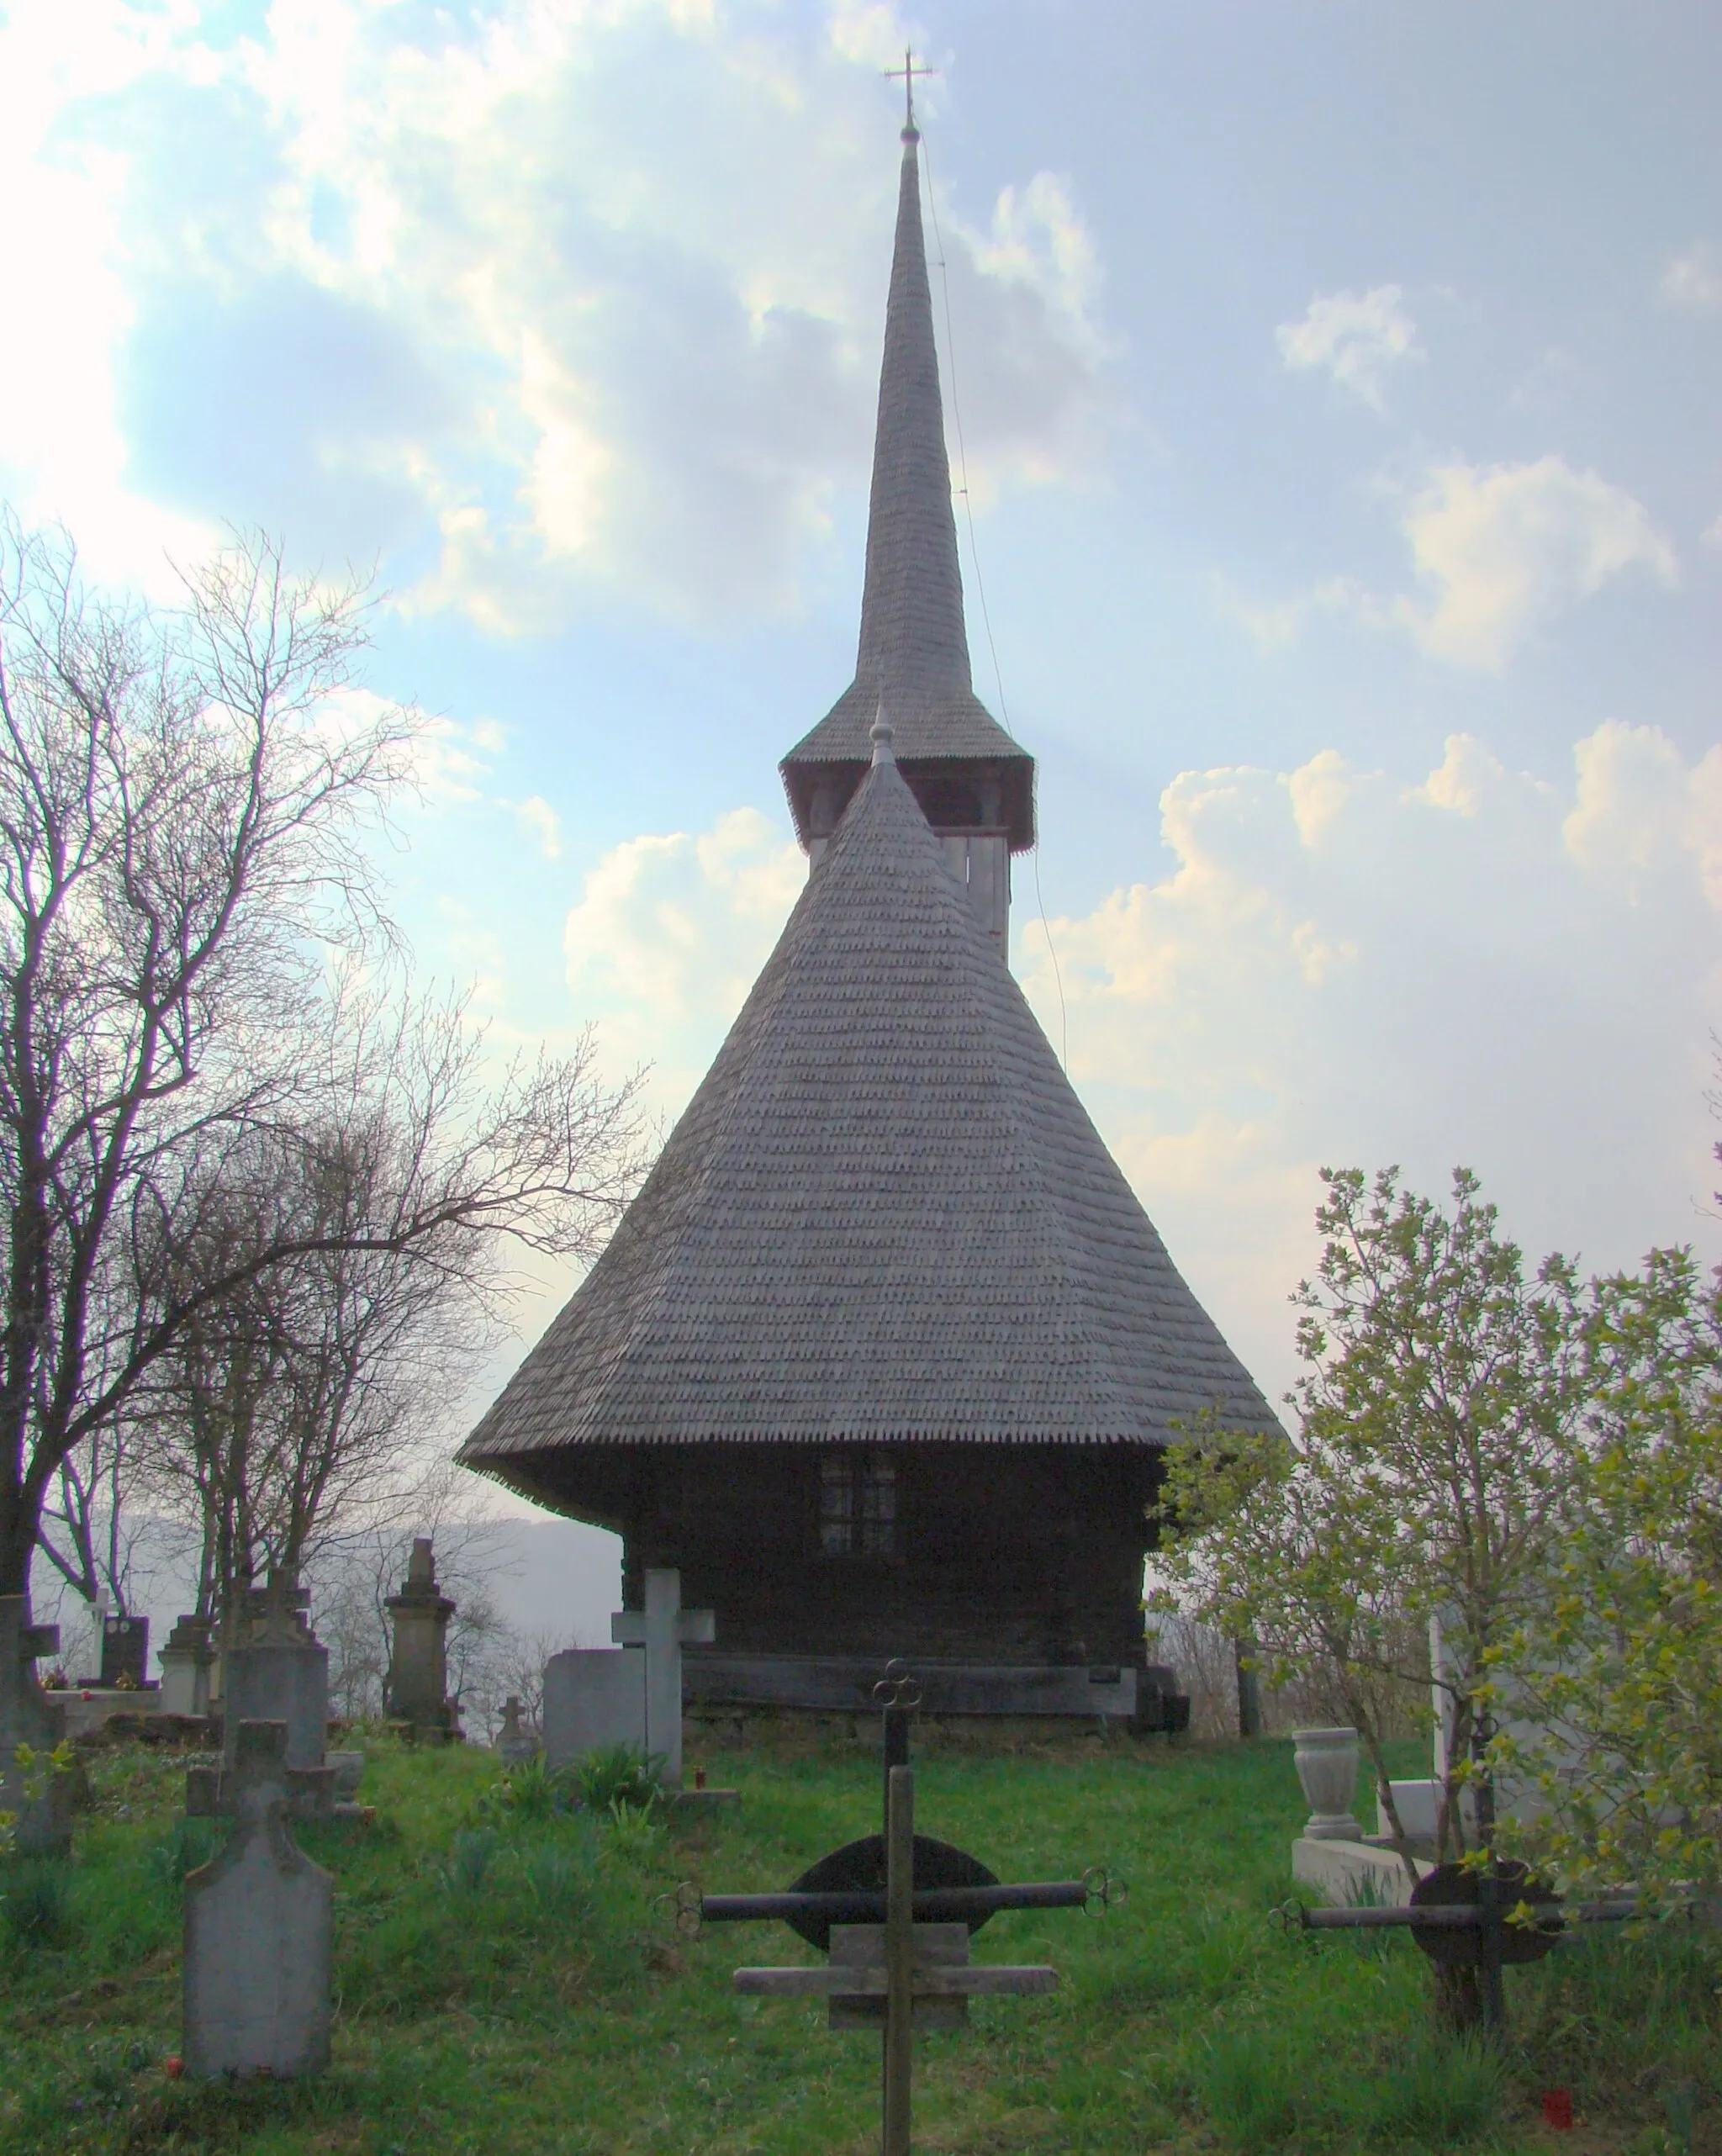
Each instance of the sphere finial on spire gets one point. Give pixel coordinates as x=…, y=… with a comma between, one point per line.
x=882, y=733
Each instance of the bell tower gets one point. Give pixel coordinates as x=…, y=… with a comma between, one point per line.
x=974, y=785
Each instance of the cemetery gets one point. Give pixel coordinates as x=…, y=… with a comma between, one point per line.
x=906, y=1423
x=511, y=1975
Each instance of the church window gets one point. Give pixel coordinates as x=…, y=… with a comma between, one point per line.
x=857, y=1505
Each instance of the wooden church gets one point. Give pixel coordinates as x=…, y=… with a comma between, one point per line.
x=882, y=1355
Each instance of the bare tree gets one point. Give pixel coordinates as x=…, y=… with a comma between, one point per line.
x=284, y=1410
x=184, y=809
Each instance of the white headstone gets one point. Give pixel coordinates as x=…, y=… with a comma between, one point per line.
x=186, y=1658
x=663, y=1628
x=592, y=1696
x=259, y=1932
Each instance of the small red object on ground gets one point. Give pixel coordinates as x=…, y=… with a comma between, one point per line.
x=1557, y=2109
x=699, y=1778
x=173, y=2067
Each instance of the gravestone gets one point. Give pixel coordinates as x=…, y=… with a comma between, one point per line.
x=600, y=1695
x=125, y=1652
x=663, y=1628
x=187, y=1658
x=38, y=1800
x=514, y=1743
x=259, y=1932
x=279, y=1674
x=592, y=1696
x=417, y=1692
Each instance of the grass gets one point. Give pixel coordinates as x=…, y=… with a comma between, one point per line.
x=506, y=1980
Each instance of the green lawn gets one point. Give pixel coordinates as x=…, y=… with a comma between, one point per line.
x=511, y=1987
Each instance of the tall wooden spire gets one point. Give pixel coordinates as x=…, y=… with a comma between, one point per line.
x=913, y=661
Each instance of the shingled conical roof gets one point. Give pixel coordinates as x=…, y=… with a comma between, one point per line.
x=884, y=1215
x=913, y=655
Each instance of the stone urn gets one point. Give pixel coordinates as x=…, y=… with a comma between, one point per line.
x=1327, y=1766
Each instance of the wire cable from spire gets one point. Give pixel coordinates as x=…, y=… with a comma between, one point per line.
x=998, y=674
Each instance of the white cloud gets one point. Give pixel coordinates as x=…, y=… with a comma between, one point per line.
x=1276, y=625
x=579, y=335
x=1692, y=280
x=1341, y=967
x=669, y=935
x=1501, y=549
x=542, y=823
x=1711, y=536
x=62, y=449
x=1356, y=337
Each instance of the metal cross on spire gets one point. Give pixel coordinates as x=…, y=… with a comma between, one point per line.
x=908, y=72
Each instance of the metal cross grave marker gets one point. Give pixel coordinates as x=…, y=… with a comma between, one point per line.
x=1485, y=1920
x=895, y=1911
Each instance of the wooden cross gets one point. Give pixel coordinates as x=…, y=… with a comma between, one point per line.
x=913, y=1967
x=663, y=1628
x=908, y=72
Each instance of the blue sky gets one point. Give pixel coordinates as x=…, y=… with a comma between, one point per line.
x=1339, y=397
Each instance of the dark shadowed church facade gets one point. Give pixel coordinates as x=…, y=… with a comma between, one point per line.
x=883, y=1355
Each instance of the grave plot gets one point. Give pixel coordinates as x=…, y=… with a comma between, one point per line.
x=895, y=1911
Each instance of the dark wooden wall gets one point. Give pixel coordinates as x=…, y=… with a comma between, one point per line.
x=1004, y=1554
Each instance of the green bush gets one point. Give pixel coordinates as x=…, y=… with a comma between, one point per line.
x=469, y=1856
x=531, y=1793
x=619, y=1774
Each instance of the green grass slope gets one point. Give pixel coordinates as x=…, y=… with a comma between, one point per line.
x=509, y=1983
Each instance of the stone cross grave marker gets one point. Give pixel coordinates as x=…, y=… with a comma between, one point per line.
x=38, y=1798
x=895, y=1912
x=259, y=1932
x=514, y=1743
x=663, y=1628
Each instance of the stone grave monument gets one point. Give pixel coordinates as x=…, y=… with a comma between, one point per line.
x=38, y=1800
x=280, y=1673
x=125, y=1653
x=663, y=1628
x=417, y=1691
x=1333, y=1854
x=186, y=1658
x=592, y=1696
x=258, y=1931
x=598, y=1696
x=514, y=1743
